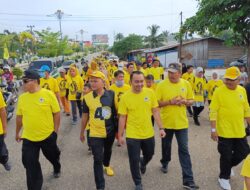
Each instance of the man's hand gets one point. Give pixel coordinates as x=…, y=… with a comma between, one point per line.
x=18, y=138
x=82, y=137
x=121, y=140
x=162, y=133
x=214, y=136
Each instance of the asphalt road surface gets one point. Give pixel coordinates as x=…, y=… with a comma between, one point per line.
x=77, y=164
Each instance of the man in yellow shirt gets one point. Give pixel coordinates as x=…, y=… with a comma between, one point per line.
x=139, y=68
x=245, y=172
x=157, y=71
x=135, y=111
x=62, y=83
x=99, y=111
x=228, y=109
x=150, y=83
x=4, y=154
x=130, y=69
x=74, y=93
x=48, y=82
x=173, y=95
x=38, y=115
x=199, y=88
x=212, y=84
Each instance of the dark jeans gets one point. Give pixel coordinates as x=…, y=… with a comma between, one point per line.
x=232, y=152
x=209, y=102
x=4, y=154
x=30, y=159
x=189, y=109
x=88, y=138
x=74, y=105
x=134, y=147
x=184, y=157
x=102, y=151
x=197, y=111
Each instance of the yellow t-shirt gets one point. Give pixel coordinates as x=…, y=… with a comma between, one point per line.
x=144, y=72
x=245, y=171
x=138, y=108
x=228, y=109
x=119, y=91
x=173, y=116
x=111, y=71
x=49, y=84
x=199, y=86
x=2, y=105
x=211, y=87
x=37, y=111
x=126, y=77
x=74, y=84
x=157, y=72
x=188, y=76
x=62, y=83
x=101, y=110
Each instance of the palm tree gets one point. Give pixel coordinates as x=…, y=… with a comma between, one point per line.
x=119, y=37
x=154, y=40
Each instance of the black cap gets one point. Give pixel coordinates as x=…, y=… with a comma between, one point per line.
x=138, y=63
x=30, y=74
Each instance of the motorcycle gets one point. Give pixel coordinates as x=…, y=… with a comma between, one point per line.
x=10, y=100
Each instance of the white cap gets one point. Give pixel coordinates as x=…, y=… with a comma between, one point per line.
x=6, y=67
x=199, y=69
x=61, y=70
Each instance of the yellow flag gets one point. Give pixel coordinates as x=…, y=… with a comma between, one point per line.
x=5, y=52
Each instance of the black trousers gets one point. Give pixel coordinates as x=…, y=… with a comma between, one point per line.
x=4, y=154
x=102, y=151
x=232, y=152
x=134, y=147
x=30, y=159
x=189, y=109
x=197, y=111
x=79, y=106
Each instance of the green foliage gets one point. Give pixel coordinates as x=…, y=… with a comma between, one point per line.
x=155, y=39
x=17, y=72
x=129, y=43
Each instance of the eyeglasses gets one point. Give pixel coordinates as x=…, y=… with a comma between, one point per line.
x=25, y=81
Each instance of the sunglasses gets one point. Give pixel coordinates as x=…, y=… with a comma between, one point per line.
x=25, y=81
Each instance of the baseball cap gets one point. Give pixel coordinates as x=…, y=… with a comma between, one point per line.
x=30, y=74
x=44, y=68
x=199, y=69
x=174, y=67
x=232, y=73
x=61, y=70
x=98, y=74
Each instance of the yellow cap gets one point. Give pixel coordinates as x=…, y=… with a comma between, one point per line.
x=97, y=74
x=232, y=73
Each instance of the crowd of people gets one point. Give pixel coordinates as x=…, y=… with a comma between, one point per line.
x=127, y=102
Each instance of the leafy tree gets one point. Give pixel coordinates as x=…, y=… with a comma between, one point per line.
x=217, y=16
x=154, y=40
x=129, y=43
x=119, y=37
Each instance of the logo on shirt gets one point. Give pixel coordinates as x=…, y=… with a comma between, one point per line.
x=41, y=100
x=182, y=89
x=46, y=86
x=241, y=97
x=146, y=99
x=103, y=113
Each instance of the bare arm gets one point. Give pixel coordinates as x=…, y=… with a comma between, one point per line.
x=214, y=134
x=56, y=118
x=58, y=98
x=19, y=125
x=122, y=124
x=3, y=117
x=85, y=119
x=156, y=114
x=247, y=181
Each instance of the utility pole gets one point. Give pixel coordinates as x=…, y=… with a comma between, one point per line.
x=59, y=14
x=82, y=32
x=31, y=28
x=180, y=33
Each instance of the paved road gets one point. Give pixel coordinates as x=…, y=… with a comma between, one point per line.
x=77, y=172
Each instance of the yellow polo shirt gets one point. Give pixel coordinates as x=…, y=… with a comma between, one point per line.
x=228, y=109
x=49, y=84
x=62, y=83
x=2, y=105
x=138, y=109
x=37, y=111
x=74, y=84
x=157, y=72
x=211, y=87
x=245, y=171
x=199, y=86
x=173, y=116
x=119, y=91
x=188, y=76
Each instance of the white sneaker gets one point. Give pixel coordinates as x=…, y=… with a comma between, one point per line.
x=224, y=184
x=232, y=173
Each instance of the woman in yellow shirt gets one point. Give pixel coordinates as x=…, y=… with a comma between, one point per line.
x=214, y=83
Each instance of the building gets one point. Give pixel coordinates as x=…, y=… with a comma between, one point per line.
x=207, y=52
x=100, y=39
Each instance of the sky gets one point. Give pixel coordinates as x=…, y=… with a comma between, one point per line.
x=95, y=16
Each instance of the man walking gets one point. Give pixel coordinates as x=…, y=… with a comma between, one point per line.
x=174, y=95
x=38, y=115
x=135, y=111
x=228, y=109
x=99, y=111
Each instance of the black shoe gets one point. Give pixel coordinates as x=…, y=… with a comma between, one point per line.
x=138, y=187
x=57, y=174
x=190, y=185
x=164, y=169
x=89, y=150
x=142, y=167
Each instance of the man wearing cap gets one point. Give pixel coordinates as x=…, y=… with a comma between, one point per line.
x=48, y=82
x=62, y=82
x=228, y=110
x=38, y=116
x=174, y=94
x=135, y=110
x=99, y=111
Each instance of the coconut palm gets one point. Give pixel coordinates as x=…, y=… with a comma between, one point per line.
x=154, y=40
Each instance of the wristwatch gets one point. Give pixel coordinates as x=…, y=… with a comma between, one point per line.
x=213, y=130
